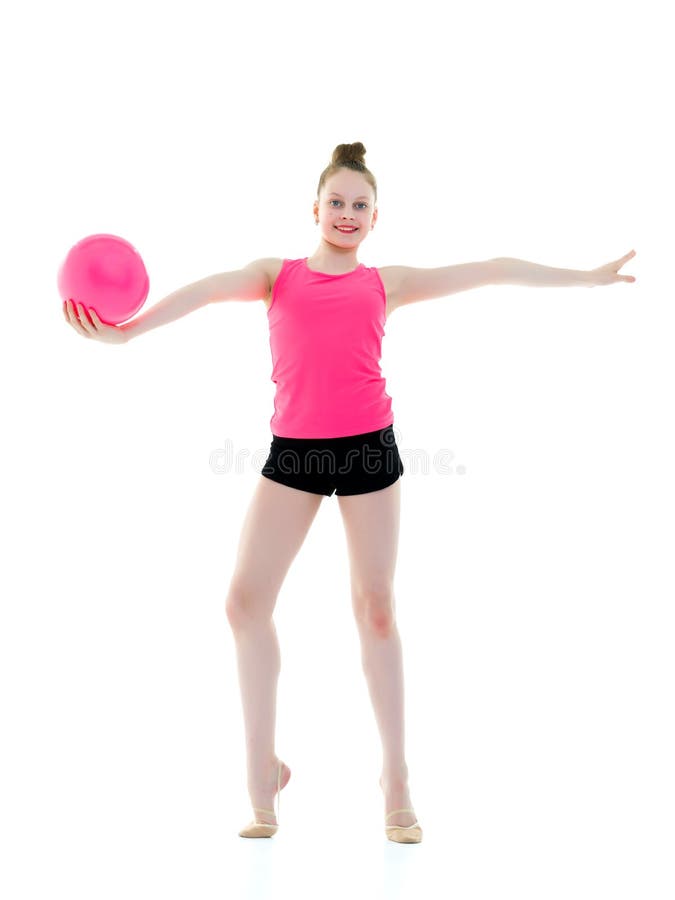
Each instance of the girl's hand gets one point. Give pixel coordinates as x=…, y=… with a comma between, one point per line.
x=89, y=325
x=608, y=274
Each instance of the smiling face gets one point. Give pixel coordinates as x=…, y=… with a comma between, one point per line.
x=346, y=199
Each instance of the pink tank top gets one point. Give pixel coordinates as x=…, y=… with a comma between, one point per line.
x=326, y=341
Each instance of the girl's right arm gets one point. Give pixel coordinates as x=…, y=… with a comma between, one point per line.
x=249, y=283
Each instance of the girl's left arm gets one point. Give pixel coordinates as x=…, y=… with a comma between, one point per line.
x=519, y=271
x=407, y=284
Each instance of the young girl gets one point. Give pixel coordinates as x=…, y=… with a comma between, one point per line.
x=331, y=433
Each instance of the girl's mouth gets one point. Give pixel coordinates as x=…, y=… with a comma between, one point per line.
x=346, y=230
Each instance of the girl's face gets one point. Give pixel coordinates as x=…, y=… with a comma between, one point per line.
x=346, y=199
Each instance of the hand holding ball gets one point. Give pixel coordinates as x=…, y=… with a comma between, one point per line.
x=106, y=274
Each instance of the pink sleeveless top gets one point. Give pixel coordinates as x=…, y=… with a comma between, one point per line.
x=326, y=341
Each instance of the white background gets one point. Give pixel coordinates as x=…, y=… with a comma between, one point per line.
x=534, y=586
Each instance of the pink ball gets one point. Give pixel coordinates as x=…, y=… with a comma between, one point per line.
x=107, y=273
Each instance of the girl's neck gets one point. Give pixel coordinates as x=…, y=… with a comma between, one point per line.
x=333, y=263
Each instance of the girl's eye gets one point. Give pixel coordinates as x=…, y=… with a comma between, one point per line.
x=360, y=203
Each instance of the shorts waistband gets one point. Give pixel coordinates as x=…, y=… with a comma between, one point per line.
x=348, y=437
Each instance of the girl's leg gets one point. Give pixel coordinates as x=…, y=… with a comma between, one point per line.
x=274, y=529
x=371, y=523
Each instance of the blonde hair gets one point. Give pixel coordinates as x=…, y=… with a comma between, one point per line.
x=348, y=156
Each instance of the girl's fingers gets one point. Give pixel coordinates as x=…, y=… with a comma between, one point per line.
x=98, y=325
x=74, y=319
x=68, y=312
x=84, y=319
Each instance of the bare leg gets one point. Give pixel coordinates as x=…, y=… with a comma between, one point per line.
x=371, y=523
x=274, y=528
x=259, y=664
x=382, y=660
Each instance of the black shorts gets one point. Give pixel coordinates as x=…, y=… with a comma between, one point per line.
x=356, y=464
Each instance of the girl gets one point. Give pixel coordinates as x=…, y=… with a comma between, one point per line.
x=331, y=433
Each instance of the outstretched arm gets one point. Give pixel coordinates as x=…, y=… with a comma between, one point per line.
x=407, y=284
x=519, y=271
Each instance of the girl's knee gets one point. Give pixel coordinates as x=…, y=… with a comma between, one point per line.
x=244, y=606
x=375, y=611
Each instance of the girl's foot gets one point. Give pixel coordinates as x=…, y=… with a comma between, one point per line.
x=397, y=796
x=263, y=790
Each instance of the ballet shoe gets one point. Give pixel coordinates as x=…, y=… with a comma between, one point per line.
x=403, y=834
x=263, y=829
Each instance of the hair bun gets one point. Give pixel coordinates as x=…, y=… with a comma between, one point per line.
x=349, y=153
